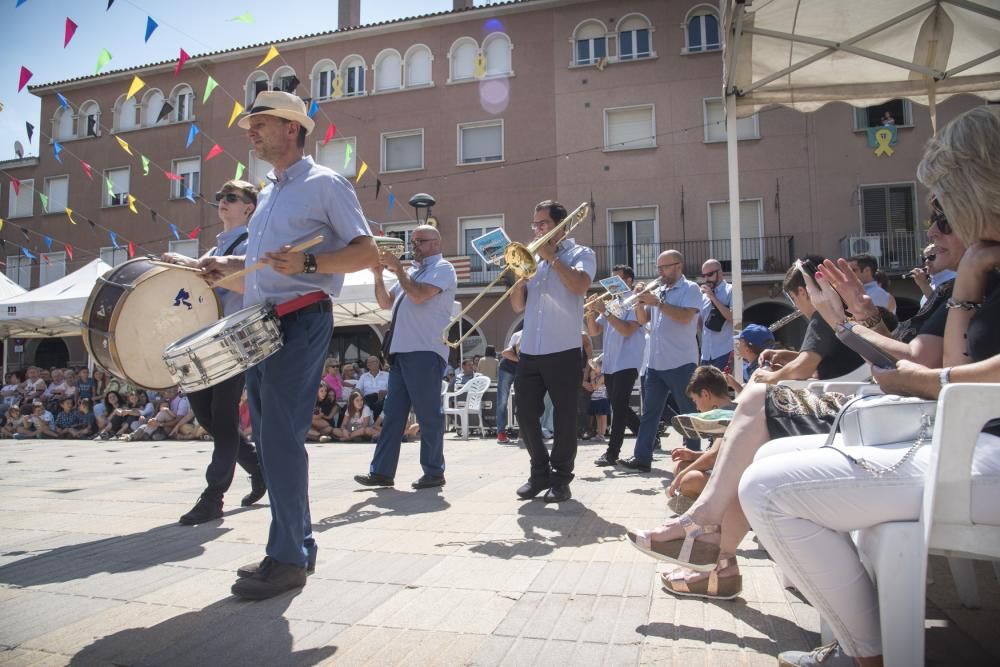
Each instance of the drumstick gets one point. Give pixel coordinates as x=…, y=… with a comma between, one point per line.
x=305, y=245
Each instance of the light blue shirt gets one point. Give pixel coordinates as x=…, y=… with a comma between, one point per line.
x=878, y=295
x=308, y=200
x=672, y=344
x=418, y=326
x=231, y=301
x=714, y=344
x=621, y=352
x=553, y=315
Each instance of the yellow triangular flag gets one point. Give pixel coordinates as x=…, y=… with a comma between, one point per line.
x=121, y=142
x=237, y=110
x=137, y=85
x=1, y=224
x=131, y=204
x=69, y=214
x=361, y=172
x=272, y=53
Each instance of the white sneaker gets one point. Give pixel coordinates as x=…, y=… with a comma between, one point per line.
x=830, y=655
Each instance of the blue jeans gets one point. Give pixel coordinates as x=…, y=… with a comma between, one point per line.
x=504, y=380
x=658, y=385
x=718, y=362
x=414, y=380
x=281, y=392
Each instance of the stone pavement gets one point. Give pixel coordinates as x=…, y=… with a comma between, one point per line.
x=94, y=570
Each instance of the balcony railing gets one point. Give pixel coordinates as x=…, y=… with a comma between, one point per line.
x=896, y=251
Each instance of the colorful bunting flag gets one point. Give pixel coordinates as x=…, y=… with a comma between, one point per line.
x=329, y=133
x=131, y=205
x=183, y=58
x=378, y=186
x=102, y=60
x=172, y=176
x=192, y=131
x=151, y=25
x=45, y=201
x=361, y=172
x=145, y=165
x=70, y=31
x=69, y=251
x=392, y=200
x=48, y=243
x=131, y=249
x=110, y=2
x=240, y=168
x=19, y=3
x=1, y=224
x=194, y=233
x=69, y=214
x=137, y=85
x=114, y=238
x=272, y=53
x=25, y=232
x=213, y=152
x=209, y=87
x=347, y=155
x=46, y=258
x=86, y=170
x=124, y=145
x=63, y=102
x=189, y=195
x=110, y=186
x=237, y=110
x=56, y=150
x=173, y=228
x=31, y=130
x=27, y=253
x=313, y=108
x=16, y=184
x=245, y=17
x=26, y=75
x=164, y=111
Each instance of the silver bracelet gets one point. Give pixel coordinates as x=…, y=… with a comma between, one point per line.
x=952, y=304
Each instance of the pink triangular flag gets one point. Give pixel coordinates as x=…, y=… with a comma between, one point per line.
x=172, y=176
x=86, y=169
x=16, y=184
x=26, y=75
x=329, y=133
x=180, y=63
x=70, y=31
x=214, y=151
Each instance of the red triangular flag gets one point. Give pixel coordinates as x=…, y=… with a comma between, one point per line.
x=194, y=233
x=70, y=31
x=180, y=63
x=25, y=75
x=69, y=251
x=16, y=184
x=172, y=176
x=215, y=150
x=329, y=133
x=131, y=249
x=86, y=170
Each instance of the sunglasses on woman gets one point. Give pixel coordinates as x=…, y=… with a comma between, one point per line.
x=230, y=197
x=939, y=218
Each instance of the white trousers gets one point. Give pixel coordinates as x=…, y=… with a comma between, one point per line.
x=803, y=501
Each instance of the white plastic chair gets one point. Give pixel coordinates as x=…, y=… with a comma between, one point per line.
x=472, y=391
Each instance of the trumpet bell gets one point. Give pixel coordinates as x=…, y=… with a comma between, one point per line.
x=520, y=259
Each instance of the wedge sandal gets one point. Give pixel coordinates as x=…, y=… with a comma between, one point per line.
x=713, y=587
x=698, y=556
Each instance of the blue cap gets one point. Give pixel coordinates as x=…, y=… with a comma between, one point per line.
x=757, y=334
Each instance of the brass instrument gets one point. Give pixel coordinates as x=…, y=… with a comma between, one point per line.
x=787, y=319
x=519, y=259
x=391, y=245
x=630, y=302
x=598, y=303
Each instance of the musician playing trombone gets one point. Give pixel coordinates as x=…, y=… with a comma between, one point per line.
x=552, y=303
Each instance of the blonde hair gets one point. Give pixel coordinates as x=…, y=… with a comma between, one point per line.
x=960, y=166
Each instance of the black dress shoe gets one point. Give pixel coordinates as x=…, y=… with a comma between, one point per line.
x=371, y=479
x=251, y=569
x=427, y=482
x=532, y=488
x=557, y=493
x=604, y=460
x=633, y=463
x=271, y=578
x=206, y=509
x=257, y=490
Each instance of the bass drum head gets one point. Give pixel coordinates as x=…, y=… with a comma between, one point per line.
x=167, y=305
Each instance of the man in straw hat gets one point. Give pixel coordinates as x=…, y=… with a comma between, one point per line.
x=301, y=201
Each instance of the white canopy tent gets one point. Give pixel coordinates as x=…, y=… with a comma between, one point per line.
x=54, y=309
x=806, y=53
x=356, y=303
x=8, y=288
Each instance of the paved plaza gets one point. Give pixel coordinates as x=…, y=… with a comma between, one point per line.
x=95, y=570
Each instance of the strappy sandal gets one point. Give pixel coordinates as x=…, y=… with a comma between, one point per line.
x=698, y=556
x=712, y=587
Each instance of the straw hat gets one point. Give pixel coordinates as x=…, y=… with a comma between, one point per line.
x=280, y=104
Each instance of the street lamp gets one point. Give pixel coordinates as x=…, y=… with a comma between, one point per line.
x=422, y=200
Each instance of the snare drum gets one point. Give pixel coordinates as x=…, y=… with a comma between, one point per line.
x=224, y=349
x=137, y=309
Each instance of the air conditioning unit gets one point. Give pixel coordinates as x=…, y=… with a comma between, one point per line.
x=862, y=245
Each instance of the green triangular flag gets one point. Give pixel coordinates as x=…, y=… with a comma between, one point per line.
x=239, y=171
x=347, y=155
x=245, y=17
x=45, y=201
x=111, y=187
x=209, y=87
x=145, y=165
x=102, y=60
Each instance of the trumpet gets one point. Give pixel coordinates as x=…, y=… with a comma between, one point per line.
x=391, y=245
x=599, y=303
x=630, y=303
x=521, y=261
x=787, y=319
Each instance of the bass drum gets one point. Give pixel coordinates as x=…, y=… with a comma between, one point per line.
x=137, y=310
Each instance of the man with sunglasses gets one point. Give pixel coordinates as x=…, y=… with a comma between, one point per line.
x=421, y=308
x=716, y=316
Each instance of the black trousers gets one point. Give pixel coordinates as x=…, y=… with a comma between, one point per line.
x=619, y=386
x=218, y=411
x=559, y=375
x=375, y=403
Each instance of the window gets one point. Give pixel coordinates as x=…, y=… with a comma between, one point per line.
x=57, y=190
x=62, y=124
x=284, y=79
x=888, y=212
x=387, y=70
x=182, y=99
x=417, y=66
x=152, y=104
x=51, y=267
x=751, y=227
x=702, y=33
x=633, y=238
x=119, y=185
x=335, y=156
x=893, y=112
x=471, y=228
x=590, y=43
x=258, y=170
x=114, y=256
x=186, y=247
x=402, y=151
x=190, y=172
x=90, y=119
x=715, y=122
x=19, y=270
x=496, y=48
x=257, y=83
x=401, y=231
x=323, y=74
x=354, y=76
x=634, y=38
x=21, y=205
x=480, y=142
x=629, y=128
x=126, y=114
x=463, y=59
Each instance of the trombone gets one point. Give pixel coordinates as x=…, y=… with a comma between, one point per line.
x=630, y=302
x=519, y=259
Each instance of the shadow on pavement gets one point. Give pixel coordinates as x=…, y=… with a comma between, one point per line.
x=385, y=501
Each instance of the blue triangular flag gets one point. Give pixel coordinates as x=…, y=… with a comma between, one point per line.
x=392, y=200
x=173, y=228
x=191, y=133
x=63, y=102
x=48, y=243
x=56, y=150
x=189, y=195
x=19, y=3
x=151, y=25
x=114, y=239
x=313, y=108
x=27, y=253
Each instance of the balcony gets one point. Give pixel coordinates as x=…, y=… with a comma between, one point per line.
x=896, y=251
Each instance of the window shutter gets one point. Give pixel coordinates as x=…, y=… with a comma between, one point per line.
x=388, y=73
x=119, y=180
x=462, y=61
x=498, y=56
x=58, y=193
x=21, y=204
x=332, y=156
x=874, y=210
x=52, y=268
x=482, y=143
x=418, y=68
x=630, y=128
x=404, y=152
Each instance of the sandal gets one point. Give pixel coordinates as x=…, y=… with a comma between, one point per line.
x=712, y=587
x=698, y=556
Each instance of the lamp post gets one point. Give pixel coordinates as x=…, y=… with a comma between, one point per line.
x=422, y=200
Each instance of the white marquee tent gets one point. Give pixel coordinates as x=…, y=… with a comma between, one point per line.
x=54, y=309
x=8, y=288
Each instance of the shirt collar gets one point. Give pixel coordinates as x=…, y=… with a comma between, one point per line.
x=294, y=171
x=427, y=261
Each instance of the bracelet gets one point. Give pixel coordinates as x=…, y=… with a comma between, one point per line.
x=963, y=305
x=870, y=322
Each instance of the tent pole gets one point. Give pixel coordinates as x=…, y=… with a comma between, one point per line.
x=735, y=236
x=6, y=344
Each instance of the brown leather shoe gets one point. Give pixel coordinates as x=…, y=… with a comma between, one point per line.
x=271, y=578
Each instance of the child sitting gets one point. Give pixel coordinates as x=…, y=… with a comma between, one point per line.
x=599, y=407
x=69, y=420
x=753, y=340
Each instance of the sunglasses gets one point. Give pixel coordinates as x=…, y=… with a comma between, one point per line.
x=929, y=258
x=939, y=218
x=230, y=197
x=709, y=274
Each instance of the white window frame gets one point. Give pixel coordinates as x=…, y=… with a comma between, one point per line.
x=180, y=90
x=494, y=37
x=119, y=112
x=51, y=269
x=696, y=12
x=403, y=231
x=148, y=116
x=474, y=275
x=324, y=66
x=116, y=256
x=652, y=120
x=353, y=64
x=58, y=118
x=354, y=155
x=13, y=212
x=888, y=184
x=388, y=136
x=574, y=61
x=406, y=67
x=105, y=197
x=19, y=270
x=183, y=247
x=705, y=120
x=482, y=123
x=382, y=56
x=907, y=116
x=177, y=187
x=725, y=256
x=253, y=166
x=46, y=185
x=451, y=59
x=282, y=73
x=618, y=38
x=81, y=121
x=249, y=92
x=609, y=214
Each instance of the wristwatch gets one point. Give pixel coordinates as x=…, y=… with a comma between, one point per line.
x=309, y=263
x=945, y=376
